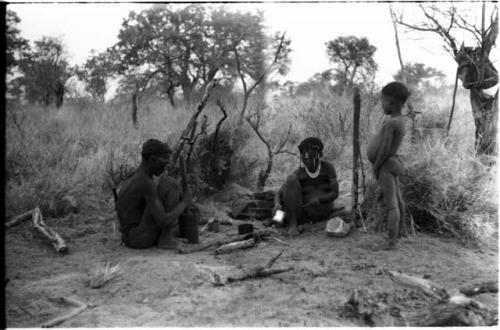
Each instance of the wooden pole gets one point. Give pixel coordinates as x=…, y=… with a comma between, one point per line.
x=452, y=105
x=355, y=153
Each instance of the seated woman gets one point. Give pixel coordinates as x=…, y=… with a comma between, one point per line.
x=309, y=192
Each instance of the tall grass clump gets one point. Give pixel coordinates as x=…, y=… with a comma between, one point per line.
x=76, y=150
x=447, y=190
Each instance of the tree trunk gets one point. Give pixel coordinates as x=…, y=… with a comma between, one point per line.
x=134, y=109
x=355, y=153
x=170, y=94
x=485, y=111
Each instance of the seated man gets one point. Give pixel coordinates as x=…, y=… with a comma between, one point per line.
x=309, y=192
x=148, y=214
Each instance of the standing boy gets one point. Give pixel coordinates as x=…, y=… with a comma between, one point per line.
x=387, y=165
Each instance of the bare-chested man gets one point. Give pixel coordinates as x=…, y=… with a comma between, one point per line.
x=148, y=214
x=308, y=193
x=382, y=153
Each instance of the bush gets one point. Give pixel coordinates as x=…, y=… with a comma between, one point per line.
x=447, y=190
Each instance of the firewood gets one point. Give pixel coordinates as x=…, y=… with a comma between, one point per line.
x=227, y=248
x=36, y=218
x=56, y=240
x=58, y=320
x=258, y=235
x=19, y=219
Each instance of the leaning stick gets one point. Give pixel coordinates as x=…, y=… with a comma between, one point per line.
x=48, y=232
x=259, y=271
x=271, y=262
x=19, y=219
x=80, y=307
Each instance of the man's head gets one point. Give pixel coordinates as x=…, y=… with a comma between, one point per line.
x=155, y=154
x=393, y=97
x=311, y=150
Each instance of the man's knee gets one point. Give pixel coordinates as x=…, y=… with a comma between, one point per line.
x=291, y=182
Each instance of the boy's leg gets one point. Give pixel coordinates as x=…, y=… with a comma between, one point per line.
x=388, y=185
x=402, y=209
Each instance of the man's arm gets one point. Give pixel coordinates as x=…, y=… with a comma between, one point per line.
x=385, y=149
x=334, y=186
x=162, y=218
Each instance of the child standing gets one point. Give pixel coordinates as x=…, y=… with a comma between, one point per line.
x=387, y=165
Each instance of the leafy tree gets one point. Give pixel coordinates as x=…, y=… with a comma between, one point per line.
x=419, y=75
x=15, y=44
x=353, y=59
x=94, y=73
x=44, y=72
x=189, y=47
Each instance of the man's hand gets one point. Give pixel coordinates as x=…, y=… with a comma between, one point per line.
x=276, y=207
x=314, y=202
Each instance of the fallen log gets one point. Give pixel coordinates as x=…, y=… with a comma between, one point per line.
x=37, y=220
x=428, y=287
x=453, y=307
x=475, y=289
x=58, y=320
x=227, y=248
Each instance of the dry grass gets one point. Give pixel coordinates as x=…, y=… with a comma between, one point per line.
x=447, y=191
x=103, y=274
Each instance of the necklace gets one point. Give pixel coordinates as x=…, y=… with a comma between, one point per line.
x=315, y=174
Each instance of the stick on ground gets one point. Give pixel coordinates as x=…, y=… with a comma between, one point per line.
x=36, y=218
x=57, y=242
x=227, y=248
x=19, y=219
x=80, y=307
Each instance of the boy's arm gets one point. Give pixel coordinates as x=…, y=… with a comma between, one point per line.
x=162, y=218
x=385, y=149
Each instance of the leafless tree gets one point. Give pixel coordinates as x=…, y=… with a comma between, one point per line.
x=475, y=69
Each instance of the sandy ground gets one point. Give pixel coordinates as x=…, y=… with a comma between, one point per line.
x=159, y=288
